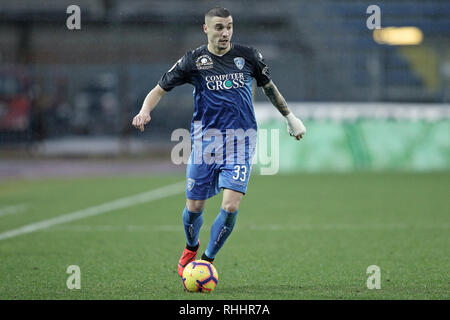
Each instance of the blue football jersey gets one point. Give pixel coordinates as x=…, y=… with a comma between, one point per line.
x=223, y=97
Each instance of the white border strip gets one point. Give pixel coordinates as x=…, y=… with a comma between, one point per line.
x=121, y=203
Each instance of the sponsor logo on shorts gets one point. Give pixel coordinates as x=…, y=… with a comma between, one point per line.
x=240, y=183
x=190, y=183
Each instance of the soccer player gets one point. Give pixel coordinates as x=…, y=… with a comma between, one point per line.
x=221, y=73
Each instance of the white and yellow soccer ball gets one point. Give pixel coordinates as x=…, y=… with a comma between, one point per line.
x=200, y=276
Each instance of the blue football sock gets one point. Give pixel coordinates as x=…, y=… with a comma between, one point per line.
x=220, y=230
x=192, y=221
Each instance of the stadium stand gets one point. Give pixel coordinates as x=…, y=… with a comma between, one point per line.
x=318, y=51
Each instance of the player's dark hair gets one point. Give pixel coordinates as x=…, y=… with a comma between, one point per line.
x=218, y=12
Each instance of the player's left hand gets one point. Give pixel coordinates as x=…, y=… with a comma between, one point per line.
x=295, y=126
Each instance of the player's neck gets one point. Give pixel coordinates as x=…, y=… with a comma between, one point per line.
x=218, y=52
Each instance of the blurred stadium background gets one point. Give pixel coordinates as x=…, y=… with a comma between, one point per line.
x=72, y=93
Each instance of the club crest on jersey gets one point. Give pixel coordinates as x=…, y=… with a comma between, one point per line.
x=190, y=183
x=204, y=62
x=239, y=62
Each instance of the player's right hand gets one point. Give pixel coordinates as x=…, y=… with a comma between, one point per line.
x=140, y=120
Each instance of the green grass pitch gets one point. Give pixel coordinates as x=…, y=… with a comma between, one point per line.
x=306, y=236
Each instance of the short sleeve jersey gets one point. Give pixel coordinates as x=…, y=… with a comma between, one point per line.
x=222, y=85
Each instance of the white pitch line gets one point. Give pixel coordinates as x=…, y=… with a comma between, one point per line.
x=256, y=228
x=13, y=209
x=121, y=203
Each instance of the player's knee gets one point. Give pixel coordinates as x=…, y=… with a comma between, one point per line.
x=230, y=206
x=195, y=205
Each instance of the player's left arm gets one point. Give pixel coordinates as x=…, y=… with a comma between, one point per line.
x=294, y=125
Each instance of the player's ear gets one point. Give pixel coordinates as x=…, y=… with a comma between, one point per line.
x=205, y=28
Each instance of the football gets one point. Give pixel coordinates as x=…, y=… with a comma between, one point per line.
x=200, y=276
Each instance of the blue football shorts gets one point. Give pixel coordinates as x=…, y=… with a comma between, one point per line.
x=204, y=181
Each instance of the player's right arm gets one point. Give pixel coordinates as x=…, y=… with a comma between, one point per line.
x=176, y=76
x=150, y=102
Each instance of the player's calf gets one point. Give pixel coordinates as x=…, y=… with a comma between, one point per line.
x=220, y=231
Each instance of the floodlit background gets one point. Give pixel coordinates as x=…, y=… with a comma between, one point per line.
x=73, y=93
x=373, y=166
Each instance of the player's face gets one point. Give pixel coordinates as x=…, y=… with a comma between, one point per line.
x=219, y=31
